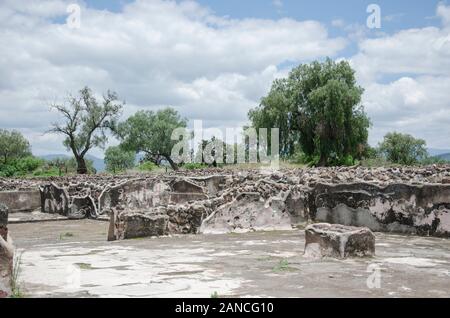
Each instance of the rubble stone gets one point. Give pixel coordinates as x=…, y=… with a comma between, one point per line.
x=247, y=212
x=138, y=223
x=338, y=241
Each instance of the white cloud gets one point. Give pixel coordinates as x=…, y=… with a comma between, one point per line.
x=406, y=76
x=443, y=12
x=166, y=53
x=338, y=23
x=154, y=53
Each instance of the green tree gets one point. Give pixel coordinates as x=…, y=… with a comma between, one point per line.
x=403, y=148
x=86, y=123
x=13, y=145
x=117, y=159
x=276, y=110
x=318, y=108
x=150, y=132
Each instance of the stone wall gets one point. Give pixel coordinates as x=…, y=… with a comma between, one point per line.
x=399, y=199
x=21, y=201
x=401, y=208
x=6, y=254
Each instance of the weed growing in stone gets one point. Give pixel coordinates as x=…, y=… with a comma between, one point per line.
x=16, y=291
x=84, y=265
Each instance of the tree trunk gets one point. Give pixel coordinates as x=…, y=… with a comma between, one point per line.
x=172, y=164
x=323, y=161
x=81, y=166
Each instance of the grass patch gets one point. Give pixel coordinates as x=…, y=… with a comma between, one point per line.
x=62, y=236
x=215, y=295
x=16, y=291
x=283, y=266
x=84, y=266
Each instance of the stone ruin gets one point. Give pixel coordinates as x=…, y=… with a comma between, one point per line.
x=6, y=254
x=338, y=241
x=399, y=199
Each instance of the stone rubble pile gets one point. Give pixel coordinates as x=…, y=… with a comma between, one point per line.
x=305, y=176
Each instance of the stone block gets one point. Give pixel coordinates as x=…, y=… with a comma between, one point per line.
x=338, y=241
x=136, y=224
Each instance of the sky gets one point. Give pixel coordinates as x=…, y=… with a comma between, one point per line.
x=213, y=60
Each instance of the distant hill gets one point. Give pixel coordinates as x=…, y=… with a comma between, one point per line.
x=433, y=152
x=445, y=156
x=99, y=164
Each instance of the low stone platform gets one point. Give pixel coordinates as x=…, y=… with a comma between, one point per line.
x=338, y=241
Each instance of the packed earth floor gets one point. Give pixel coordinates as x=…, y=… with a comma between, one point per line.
x=73, y=259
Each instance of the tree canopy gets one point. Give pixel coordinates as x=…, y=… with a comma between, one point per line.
x=117, y=159
x=317, y=108
x=403, y=148
x=13, y=145
x=86, y=121
x=150, y=132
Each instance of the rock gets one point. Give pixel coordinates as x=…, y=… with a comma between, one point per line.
x=338, y=241
x=54, y=199
x=82, y=207
x=136, y=224
x=185, y=186
x=248, y=212
x=6, y=254
x=446, y=180
x=3, y=216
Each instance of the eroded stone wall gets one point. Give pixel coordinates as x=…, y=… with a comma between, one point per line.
x=411, y=200
x=6, y=254
x=21, y=201
x=403, y=208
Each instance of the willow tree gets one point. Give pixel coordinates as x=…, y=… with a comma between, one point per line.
x=86, y=121
x=317, y=107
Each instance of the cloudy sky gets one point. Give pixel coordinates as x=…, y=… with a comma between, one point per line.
x=214, y=59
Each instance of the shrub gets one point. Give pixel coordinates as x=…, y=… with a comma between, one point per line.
x=147, y=166
x=194, y=166
x=433, y=160
x=28, y=164
x=21, y=167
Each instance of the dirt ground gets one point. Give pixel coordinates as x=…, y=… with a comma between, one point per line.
x=73, y=259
